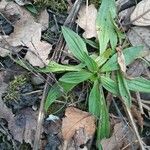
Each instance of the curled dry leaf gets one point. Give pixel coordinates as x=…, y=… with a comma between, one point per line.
x=76, y=120
x=140, y=36
x=121, y=59
x=141, y=14
x=87, y=21
x=121, y=137
x=27, y=32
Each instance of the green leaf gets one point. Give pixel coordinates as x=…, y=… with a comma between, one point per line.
x=94, y=100
x=123, y=89
x=78, y=47
x=55, y=67
x=31, y=8
x=57, y=90
x=105, y=25
x=139, y=84
x=92, y=43
x=110, y=85
x=130, y=54
x=103, y=130
x=76, y=77
x=100, y=60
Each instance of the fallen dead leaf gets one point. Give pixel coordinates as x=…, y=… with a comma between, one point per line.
x=137, y=115
x=141, y=14
x=121, y=59
x=75, y=120
x=140, y=36
x=121, y=137
x=27, y=32
x=87, y=21
x=5, y=112
x=23, y=126
x=3, y=4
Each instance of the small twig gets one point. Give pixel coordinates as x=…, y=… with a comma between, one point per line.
x=33, y=92
x=134, y=127
x=139, y=102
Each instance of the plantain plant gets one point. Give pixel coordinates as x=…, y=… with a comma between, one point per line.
x=97, y=69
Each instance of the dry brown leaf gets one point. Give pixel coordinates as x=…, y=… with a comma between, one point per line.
x=121, y=137
x=3, y=4
x=121, y=59
x=140, y=36
x=141, y=14
x=87, y=21
x=23, y=126
x=27, y=32
x=5, y=112
x=137, y=115
x=76, y=119
x=43, y=19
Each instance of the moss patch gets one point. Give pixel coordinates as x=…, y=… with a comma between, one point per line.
x=58, y=6
x=12, y=92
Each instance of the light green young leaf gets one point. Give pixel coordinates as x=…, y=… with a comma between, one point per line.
x=110, y=85
x=139, y=84
x=76, y=77
x=130, y=54
x=100, y=60
x=94, y=100
x=57, y=90
x=55, y=67
x=105, y=25
x=103, y=130
x=123, y=89
x=78, y=47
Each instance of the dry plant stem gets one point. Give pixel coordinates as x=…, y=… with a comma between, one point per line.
x=134, y=127
x=139, y=102
x=56, y=56
x=65, y=145
x=40, y=118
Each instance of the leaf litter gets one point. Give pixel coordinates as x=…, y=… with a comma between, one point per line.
x=77, y=124
x=27, y=32
x=78, y=121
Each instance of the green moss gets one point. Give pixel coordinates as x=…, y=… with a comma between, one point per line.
x=58, y=6
x=12, y=92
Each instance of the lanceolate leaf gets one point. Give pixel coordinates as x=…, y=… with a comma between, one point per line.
x=57, y=90
x=55, y=67
x=78, y=47
x=94, y=100
x=76, y=77
x=139, y=84
x=104, y=24
x=110, y=85
x=123, y=89
x=130, y=54
x=103, y=130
